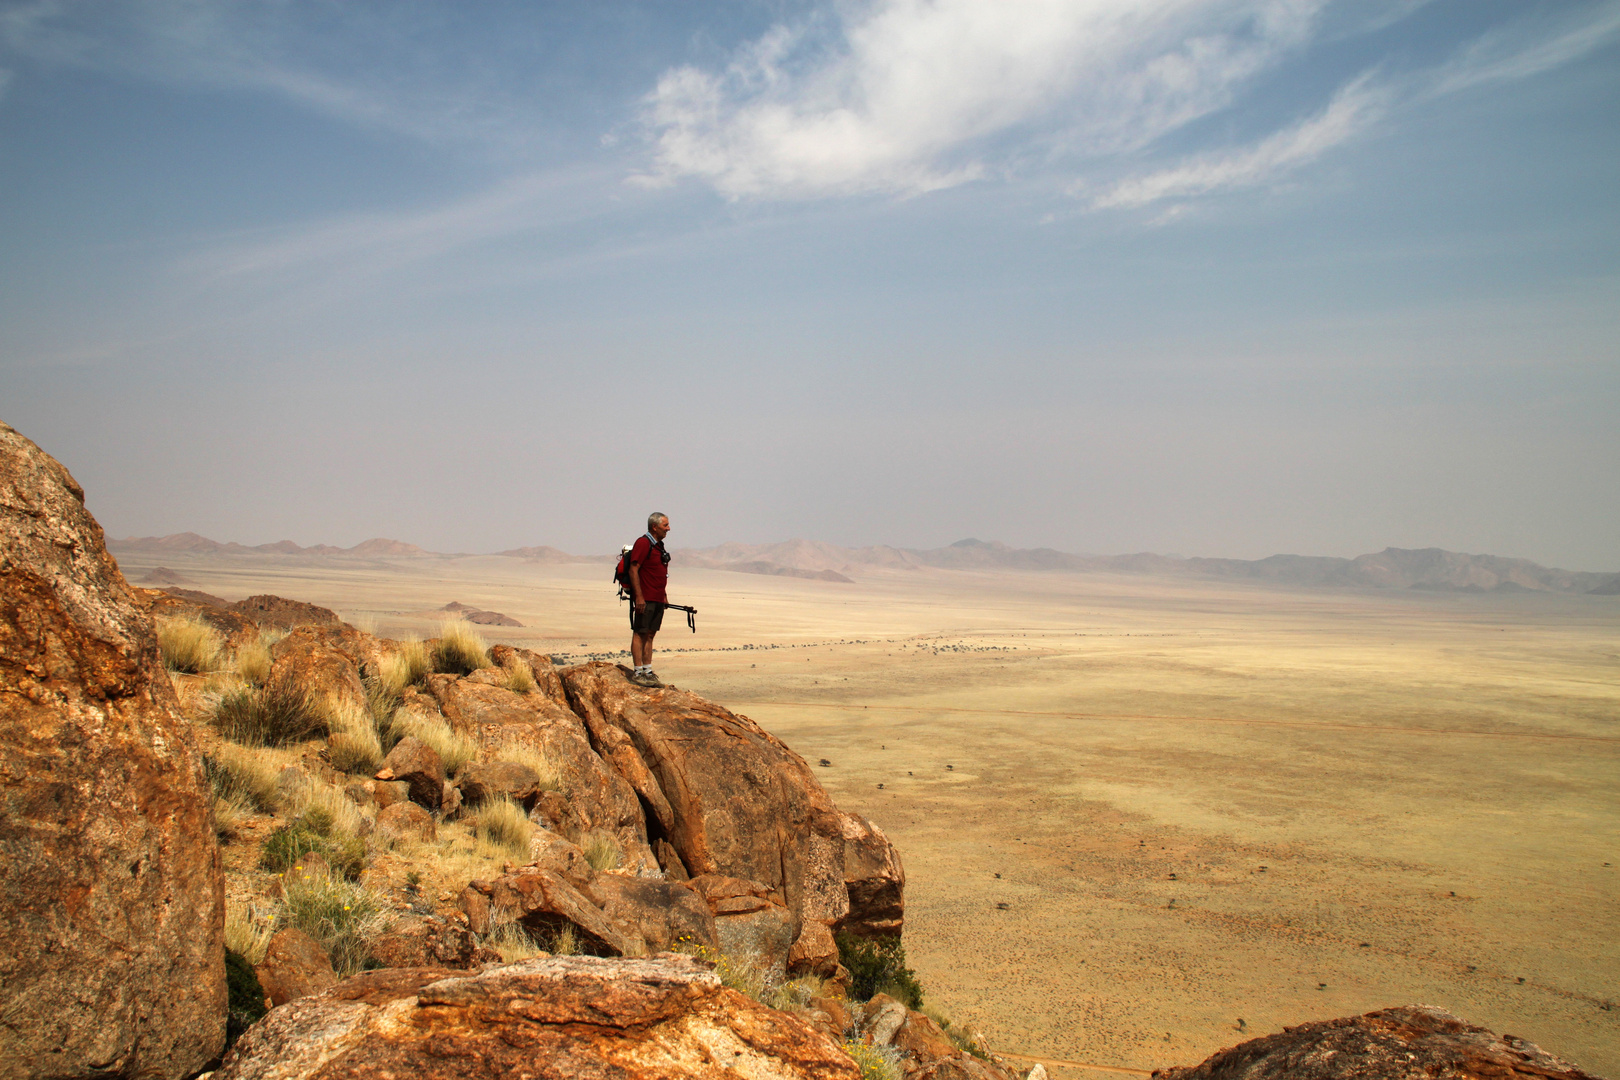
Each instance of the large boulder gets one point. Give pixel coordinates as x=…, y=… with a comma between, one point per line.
x=430, y=942
x=597, y=799
x=111, y=889
x=322, y=664
x=1413, y=1042
x=730, y=798
x=294, y=966
x=653, y=1018
x=547, y=904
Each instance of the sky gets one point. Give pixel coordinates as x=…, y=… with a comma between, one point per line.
x=1207, y=277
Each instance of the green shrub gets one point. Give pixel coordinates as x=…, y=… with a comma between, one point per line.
x=346, y=855
x=244, y=995
x=460, y=649
x=290, y=843
x=314, y=833
x=188, y=644
x=263, y=717
x=878, y=965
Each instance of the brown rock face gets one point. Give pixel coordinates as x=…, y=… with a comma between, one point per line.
x=480, y=781
x=430, y=942
x=417, y=764
x=406, y=820
x=110, y=884
x=657, y=1018
x=294, y=966
x=321, y=662
x=598, y=798
x=731, y=799
x=1413, y=1042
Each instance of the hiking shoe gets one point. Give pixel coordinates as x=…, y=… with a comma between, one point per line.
x=651, y=681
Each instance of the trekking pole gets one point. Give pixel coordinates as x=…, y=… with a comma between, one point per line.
x=691, y=615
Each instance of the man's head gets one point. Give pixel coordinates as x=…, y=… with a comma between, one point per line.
x=658, y=525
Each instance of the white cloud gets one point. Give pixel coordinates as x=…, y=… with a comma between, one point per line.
x=1352, y=109
x=912, y=95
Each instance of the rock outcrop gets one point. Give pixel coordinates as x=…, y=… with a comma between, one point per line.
x=727, y=797
x=111, y=888
x=1414, y=1042
x=579, y=1017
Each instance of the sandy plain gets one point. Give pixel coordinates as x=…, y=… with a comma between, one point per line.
x=1143, y=819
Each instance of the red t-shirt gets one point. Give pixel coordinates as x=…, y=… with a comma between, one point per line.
x=654, y=574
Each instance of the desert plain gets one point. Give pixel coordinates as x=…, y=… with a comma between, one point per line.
x=1144, y=818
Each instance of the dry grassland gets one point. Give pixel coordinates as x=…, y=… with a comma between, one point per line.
x=1144, y=819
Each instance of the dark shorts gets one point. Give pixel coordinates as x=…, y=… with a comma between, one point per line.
x=650, y=619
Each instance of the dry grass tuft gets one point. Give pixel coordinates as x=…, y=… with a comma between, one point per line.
x=265, y=717
x=504, y=824
x=514, y=942
x=602, y=850
x=190, y=645
x=543, y=764
x=454, y=749
x=406, y=666
x=253, y=661
x=347, y=819
x=459, y=854
x=461, y=649
x=354, y=746
x=243, y=777
x=519, y=677
x=342, y=916
x=246, y=935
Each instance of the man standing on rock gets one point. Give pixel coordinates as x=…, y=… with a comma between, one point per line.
x=649, y=573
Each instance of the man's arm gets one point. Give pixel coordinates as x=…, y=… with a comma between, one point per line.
x=635, y=583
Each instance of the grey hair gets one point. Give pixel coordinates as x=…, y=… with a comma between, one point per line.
x=654, y=518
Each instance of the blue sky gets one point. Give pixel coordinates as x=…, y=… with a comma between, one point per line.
x=1220, y=277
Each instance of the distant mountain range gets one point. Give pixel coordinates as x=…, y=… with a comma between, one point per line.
x=182, y=543
x=1392, y=568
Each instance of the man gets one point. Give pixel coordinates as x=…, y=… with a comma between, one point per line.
x=649, y=573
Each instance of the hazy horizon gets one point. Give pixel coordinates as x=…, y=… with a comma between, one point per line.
x=1217, y=277
x=120, y=541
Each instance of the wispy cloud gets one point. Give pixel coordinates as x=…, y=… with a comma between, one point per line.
x=1508, y=54
x=913, y=95
x=1352, y=109
x=1517, y=52
x=361, y=65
